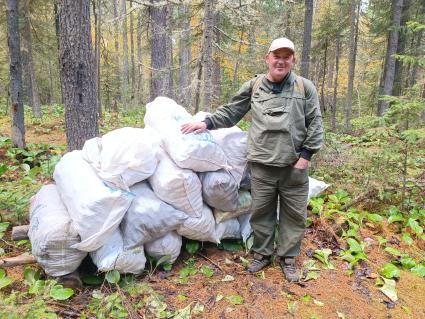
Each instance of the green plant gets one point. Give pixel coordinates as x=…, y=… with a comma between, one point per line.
x=107, y=306
x=323, y=256
x=188, y=270
x=192, y=246
x=4, y=280
x=354, y=253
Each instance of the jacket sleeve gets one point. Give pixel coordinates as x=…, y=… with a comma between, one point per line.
x=313, y=122
x=230, y=114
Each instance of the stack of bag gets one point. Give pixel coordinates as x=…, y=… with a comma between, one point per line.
x=138, y=191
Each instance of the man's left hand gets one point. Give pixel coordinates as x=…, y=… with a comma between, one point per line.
x=302, y=163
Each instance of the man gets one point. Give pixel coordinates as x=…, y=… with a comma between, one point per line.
x=286, y=130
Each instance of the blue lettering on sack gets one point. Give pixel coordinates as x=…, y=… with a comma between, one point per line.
x=114, y=189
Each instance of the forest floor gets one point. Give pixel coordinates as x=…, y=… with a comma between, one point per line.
x=227, y=291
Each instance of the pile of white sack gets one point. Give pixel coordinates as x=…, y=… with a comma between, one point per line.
x=138, y=191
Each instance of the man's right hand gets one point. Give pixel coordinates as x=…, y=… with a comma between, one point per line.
x=195, y=127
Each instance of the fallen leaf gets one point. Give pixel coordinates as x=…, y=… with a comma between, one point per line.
x=388, y=289
x=228, y=278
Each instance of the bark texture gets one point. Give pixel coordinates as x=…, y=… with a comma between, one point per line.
x=308, y=22
x=160, y=81
x=207, y=58
x=33, y=96
x=389, y=70
x=77, y=73
x=351, y=67
x=15, y=69
x=185, y=91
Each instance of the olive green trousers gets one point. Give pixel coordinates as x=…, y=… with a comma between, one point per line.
x=289, y=186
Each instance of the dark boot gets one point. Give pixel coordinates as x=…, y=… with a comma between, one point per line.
x=259, y=262
x=289, y=269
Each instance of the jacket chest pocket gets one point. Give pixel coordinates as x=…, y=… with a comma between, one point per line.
x=276, y=115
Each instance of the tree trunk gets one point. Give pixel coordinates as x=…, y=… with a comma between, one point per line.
x=125, y=74
x=169, y=39
x=351, y=67
x=399, y=73
x=77, y=73
x=117, y=55
x=207, y=59
x=386, y=86
x=416, y=49
x=51, y=94
x=97, y=35
x=185, y=89
x=34, y=98
x=18, y=126
x=217, y=65
x=160, y=84
x=196, y=103
x=335, y=93
x=308, y=23
x=57, y=34
x=132, y=70
x=140, y=80
x=238, y=57
x=322, y=91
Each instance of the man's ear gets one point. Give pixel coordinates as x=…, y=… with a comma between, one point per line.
x=266, y=58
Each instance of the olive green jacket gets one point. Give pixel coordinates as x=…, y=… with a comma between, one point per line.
x=285, y=125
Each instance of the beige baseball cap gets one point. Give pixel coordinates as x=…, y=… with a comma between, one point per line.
x=282, y=43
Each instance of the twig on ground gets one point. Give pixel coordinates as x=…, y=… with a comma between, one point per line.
x=23, y=259
x=212, y=262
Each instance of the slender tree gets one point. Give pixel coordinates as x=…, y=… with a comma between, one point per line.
x=207, y=50
x=34, y=98
x=140, y=77
x=77, y=73
x=238, y=58
x=217, y=63
x=169, y=49
x=97, y=12
x=125, y=69
x=160, y=80
x=337, y=55
x=15, y=69
x=351, y=65
x=387, y=82
x=185, y=92
x=400, y=72
x=308, y=23
x=118, y=73
x=132, y=68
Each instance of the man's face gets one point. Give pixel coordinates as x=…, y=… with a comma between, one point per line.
x=280, y=62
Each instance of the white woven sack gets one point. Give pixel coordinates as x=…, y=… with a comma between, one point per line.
x=201, y=228
x=234, y=143
x=95, y=208
x=228, y=229
x=52, y=234
x=113, y=256
x=315, y=187
x=181, y=188
x=243, y=207
x=198, y=152
x=124, y=156
x=219, y=190
x=148, y=217
x=168, y=245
